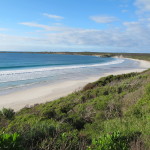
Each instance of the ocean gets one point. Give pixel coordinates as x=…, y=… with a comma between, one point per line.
x=25, y=70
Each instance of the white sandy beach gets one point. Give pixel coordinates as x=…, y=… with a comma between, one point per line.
x=20, y=99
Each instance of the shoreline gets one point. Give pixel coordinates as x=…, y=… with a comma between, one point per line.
x=47, y=93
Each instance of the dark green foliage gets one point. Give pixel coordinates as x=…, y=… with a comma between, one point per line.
x=89, y=86
x=10, y=142
x=77, y=122
x=8, y=113
x=65, y=141
x=50, y=114
x=36, y=133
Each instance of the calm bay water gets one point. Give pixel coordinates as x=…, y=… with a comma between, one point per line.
x=21, y=70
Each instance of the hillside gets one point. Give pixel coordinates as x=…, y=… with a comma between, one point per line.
x=112, y=113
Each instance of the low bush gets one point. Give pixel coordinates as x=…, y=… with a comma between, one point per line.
x=37, y=133
x=8, y=113
x=114, y=141
x=10, y=142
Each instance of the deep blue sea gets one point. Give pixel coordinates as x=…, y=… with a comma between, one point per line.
x=22, y=70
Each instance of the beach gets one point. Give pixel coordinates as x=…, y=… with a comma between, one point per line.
x=41, y=94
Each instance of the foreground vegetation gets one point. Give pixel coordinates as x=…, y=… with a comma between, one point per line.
x=112, y=113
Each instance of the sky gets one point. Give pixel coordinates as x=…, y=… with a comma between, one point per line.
x=75, y=25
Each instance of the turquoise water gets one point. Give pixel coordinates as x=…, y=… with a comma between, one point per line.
x=10, y=61
x=19, y=70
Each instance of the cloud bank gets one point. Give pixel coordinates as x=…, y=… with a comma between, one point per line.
x=132, y=36
x=143, y=5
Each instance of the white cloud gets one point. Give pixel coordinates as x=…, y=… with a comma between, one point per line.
x=103, y=19
x=45, y=27
x=3, y=29
x=53, y=16
x=11, y=39
x=136, y=35
x=143, y=5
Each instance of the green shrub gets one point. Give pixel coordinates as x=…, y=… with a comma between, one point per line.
x=8, y=113
x=10, y=142
x=114, y=141
x=89, y=86
x=76, y=122
x=49, y=114
x=64, y=141
x=38, y=132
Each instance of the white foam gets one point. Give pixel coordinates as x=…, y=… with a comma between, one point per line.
x=38, y=73
x=58, y=68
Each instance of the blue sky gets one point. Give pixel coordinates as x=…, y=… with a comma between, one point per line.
x=75, y=25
